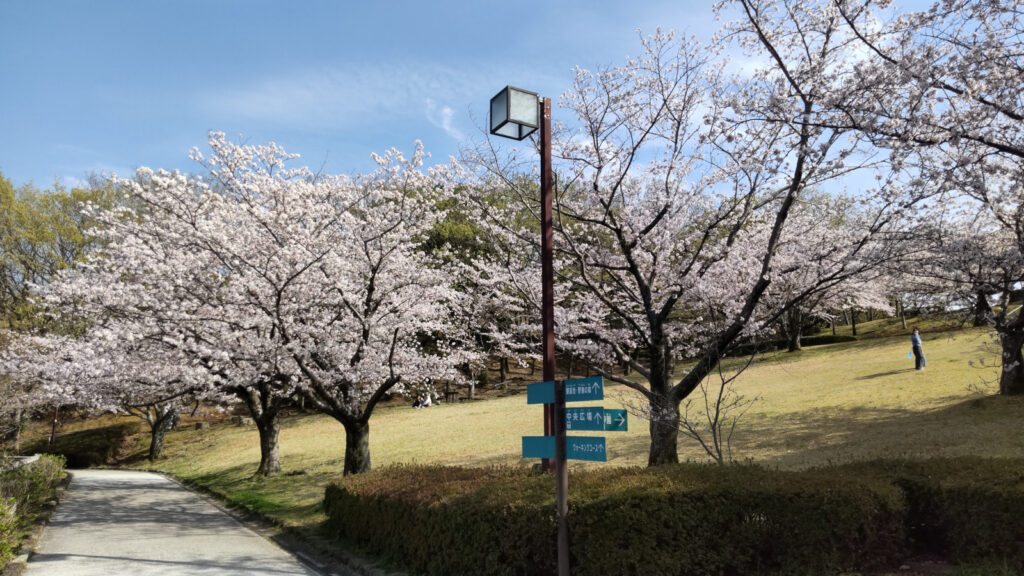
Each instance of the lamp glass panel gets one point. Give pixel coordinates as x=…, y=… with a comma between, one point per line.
x=499, y=109
x=509, y=130
x=523, y=108
x=525, y=131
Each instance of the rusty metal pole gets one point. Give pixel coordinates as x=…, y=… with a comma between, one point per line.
x=561, y=480
x=547, y=275
x=554, y=416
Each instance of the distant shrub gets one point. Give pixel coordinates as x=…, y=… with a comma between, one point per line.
x=826, y=339
x=772, y=345
x=686, y=519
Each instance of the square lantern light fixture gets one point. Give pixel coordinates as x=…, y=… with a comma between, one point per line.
x=515, y=113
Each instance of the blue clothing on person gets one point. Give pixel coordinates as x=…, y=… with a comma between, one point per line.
x=915, y=343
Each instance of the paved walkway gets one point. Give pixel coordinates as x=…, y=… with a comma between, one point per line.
x=116, y=522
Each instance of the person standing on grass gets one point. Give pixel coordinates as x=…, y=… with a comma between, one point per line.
x=915, y=343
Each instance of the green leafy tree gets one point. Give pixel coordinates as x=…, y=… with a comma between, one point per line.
x=41, y=233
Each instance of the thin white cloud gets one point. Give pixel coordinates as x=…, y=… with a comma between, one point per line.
x=341, y=98
x=366, y=95
x=444, y=118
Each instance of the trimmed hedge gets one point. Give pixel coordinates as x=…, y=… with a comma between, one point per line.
x=23, y=491
x=969, y=508
x=686, y=519
x=441, y=520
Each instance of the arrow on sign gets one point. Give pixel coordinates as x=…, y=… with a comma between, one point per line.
x=615, y=420
x=590, y=418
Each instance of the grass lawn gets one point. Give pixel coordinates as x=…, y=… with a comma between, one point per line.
x=831, y=403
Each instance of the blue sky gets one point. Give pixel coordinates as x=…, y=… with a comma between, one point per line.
x=110, y=85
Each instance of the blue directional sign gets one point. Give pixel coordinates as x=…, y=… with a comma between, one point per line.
x=584, y=389
x=576, y=390
x=538, y=446
x=590, y=418
x=540, y=393
x=576, y=448
x=586, y=448
x=615, y=421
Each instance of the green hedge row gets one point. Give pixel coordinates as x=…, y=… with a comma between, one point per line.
x=686, y=519
x=23, y=491
x=968, y=508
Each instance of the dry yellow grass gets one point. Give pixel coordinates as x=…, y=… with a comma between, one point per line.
x=825, y=404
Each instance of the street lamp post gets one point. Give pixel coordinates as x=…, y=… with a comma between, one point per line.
x=515, y=114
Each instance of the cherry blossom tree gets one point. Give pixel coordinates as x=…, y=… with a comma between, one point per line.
x=371, y=313
x=103, y=372
x=333, y=267
x=939, y=89
x=158, y=282
x=18, y=395
x=971, y=257
x=673, y=209
x=278, y=281
x=825, y=226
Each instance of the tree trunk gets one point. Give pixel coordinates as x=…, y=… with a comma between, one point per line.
x=357, y=447
x=270, y=459
x=264, y=407
x=902, y=312
x=794, y=342
x=503, y=369
x=533, y=366
x=794, y=322
x=162, y=417
x=833, y=320
x=19, y=424
x=664, y=433
x=983, y=315
x=853, y=321
x=664, y=411
x=156, y=443
x=53, y=426
x=1011, y=381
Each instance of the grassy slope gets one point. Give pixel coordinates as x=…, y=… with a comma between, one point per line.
x=825, y=404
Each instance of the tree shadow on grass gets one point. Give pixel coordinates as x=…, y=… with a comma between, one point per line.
x=884, y=374
x=985, y=426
